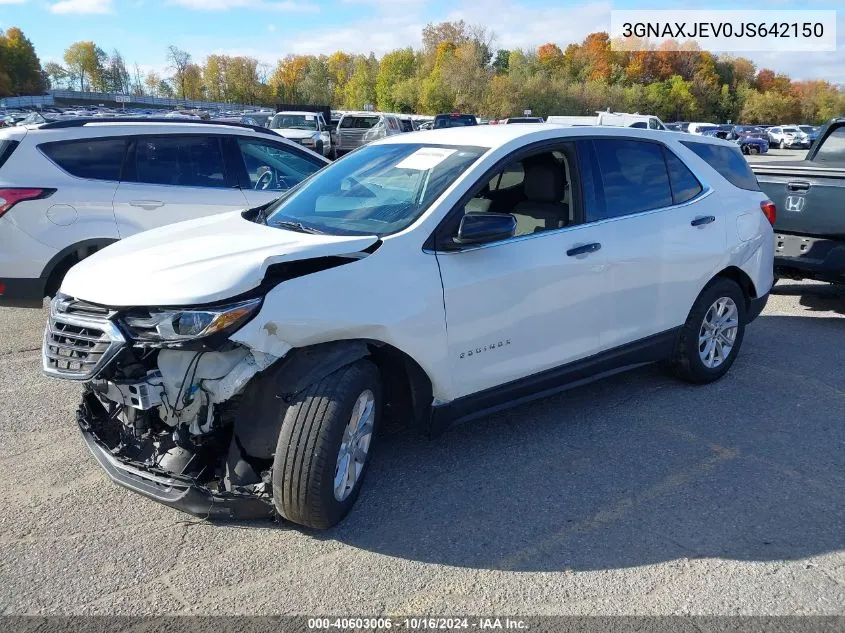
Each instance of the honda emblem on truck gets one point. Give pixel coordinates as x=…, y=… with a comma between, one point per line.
x=795, y=203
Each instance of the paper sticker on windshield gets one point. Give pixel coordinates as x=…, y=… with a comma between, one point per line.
x=425, y=158
x=309, y=117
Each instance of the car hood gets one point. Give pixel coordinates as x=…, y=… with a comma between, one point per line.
x=195, y=262
x=294, y=133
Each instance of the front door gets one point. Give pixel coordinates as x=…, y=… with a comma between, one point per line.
x=535, y=301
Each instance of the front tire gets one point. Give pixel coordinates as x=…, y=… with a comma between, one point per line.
x=324, y=446
x=709, y=341
x=782, y=145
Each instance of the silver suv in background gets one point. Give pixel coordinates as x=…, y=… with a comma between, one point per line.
x=360, y=128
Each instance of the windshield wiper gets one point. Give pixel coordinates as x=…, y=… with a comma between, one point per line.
x=296, y=226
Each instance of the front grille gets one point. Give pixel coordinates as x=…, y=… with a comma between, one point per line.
x=351, y=138
x=80, y=339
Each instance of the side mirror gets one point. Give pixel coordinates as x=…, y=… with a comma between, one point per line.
x=478, y=228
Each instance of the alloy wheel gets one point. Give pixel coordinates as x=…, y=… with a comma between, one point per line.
x=717, y=335
x=355, y=445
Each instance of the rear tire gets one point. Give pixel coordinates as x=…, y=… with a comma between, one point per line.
x=709, y=341
x=314, y=435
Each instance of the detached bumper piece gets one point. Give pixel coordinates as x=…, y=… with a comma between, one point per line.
x=175, y=492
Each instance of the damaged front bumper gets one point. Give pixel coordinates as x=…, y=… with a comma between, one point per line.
x=181, y=493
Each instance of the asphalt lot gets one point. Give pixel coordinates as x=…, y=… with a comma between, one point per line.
x=633, y=495
x=775, y=154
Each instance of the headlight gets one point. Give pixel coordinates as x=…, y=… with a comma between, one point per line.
x=175, y=326
x=308, y=141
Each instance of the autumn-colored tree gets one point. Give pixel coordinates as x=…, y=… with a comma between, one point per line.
x=550, y=57
x=764, y=80
x=285, y=81
x=20, y=68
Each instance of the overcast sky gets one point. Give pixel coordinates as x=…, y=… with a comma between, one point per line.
x=270, y=29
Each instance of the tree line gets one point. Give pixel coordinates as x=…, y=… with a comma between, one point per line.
x=458, y=68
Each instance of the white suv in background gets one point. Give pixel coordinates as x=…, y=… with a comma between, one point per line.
x=241, y=364
x=306, y=128
x=69, y=188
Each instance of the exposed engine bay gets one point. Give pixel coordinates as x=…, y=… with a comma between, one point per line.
x=170, y=413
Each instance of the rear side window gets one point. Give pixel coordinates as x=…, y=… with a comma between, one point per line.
x=6, y=149
x=633, y=178
x=185, y=161
x=96, y=159
x=728, y=161
x=685, y=185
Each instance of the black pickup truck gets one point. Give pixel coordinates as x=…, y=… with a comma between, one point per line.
x=810, y=199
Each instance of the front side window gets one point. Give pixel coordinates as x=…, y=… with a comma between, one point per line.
x=186, y=161
x=273, y=167
x=376, y=190
x=832, y=150
x=97, y=159
x=633, y=178
x=535, y=190
x=294, y=122
x=728, y=161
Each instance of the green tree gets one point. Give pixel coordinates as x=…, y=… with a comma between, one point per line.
x=500, y=62
x=361, y=89
x=394, y=68
x=84, y=63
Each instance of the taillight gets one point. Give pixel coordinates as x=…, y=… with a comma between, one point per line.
x=9, y=197
x=769, y=210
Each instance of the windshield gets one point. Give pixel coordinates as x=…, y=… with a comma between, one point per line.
x=791, y=130
x=746, y=129
x=360, y=122
x=294, y=122
x=707, y=128
x=376, y=190
x=453, y=120
x=832, y=150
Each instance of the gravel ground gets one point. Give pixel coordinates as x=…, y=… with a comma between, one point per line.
x=634, y=495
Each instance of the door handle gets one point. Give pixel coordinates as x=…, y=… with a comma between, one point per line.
x=146, y=204
x=798, y=185
x=705, y=219
x=583, y=250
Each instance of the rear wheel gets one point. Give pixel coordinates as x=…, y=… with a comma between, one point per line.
x=324, y=446
x=710, y=340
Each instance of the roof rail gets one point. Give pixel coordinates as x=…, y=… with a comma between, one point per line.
x=82, y=121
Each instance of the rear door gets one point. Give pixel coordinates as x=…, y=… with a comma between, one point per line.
x=664, y=235
x=267, y=168
x=174, y=177
x=83, y=207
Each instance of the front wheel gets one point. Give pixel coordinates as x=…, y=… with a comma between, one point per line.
x=782, y=145
x=709, y=341
x=324, y=446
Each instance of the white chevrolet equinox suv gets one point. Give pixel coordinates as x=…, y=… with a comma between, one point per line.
x=239, y=365
x=69, y=188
